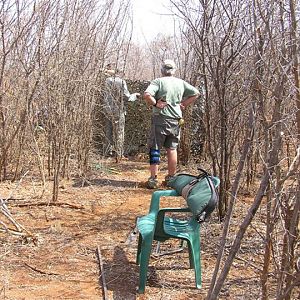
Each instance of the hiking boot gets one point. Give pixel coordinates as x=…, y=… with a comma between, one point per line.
x=152, y=183
x=168, y=180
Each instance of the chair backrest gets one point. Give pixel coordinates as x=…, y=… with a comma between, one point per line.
x=155, y=199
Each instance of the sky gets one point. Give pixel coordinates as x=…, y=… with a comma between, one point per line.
x=150, y=18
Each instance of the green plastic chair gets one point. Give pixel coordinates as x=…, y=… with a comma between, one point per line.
x=157, y=226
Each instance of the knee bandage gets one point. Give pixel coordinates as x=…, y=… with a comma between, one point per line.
x=154, y=156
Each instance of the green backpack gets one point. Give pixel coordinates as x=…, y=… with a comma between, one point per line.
x=200, y=192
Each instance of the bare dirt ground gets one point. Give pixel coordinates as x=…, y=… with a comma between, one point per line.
x=100, y=212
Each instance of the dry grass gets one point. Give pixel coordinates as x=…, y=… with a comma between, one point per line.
x=64, y=264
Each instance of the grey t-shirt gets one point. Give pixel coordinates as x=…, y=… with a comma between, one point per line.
x=116, y=89
x=173, y=90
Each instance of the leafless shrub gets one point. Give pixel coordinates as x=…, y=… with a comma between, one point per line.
x=247, y=55
x=53, y=54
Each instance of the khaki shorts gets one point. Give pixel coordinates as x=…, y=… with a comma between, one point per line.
x=165, y=132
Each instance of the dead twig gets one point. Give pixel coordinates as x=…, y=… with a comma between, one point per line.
x=19, y=229
x=102, y=278
x=12, y=199
x=49, y=204
x=40, y=271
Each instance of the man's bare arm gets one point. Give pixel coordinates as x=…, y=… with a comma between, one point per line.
x=152, y=101
x=188, y=101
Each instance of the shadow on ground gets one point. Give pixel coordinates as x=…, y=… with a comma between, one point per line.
x=80, y=183
x=121, y=275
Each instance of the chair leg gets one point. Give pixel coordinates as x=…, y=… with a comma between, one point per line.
x=191, y=255
x=196, y=258
x=146, y=248
x=138, y=254
x=197, y=270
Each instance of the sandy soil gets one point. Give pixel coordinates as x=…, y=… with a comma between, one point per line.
x=99, y=213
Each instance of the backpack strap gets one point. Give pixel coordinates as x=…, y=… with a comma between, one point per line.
x=211, y=203
x=204, y=172
x=187, y=189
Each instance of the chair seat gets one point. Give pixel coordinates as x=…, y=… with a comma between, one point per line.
x=181, y=229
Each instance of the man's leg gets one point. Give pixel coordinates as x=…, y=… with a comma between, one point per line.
x=119, y=136
x=153, y=170
x=172, y=161
x=108, y=144
x=154, y=157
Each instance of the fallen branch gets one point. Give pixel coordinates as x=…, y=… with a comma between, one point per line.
x=11, y=231
x=48, y=204
x=19, y=229
x=5, y=211
x=40, y=271
x=12, y=199
x=104, y=288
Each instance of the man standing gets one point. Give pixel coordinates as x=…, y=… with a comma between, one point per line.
x=169, y=96
x=115, y=100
